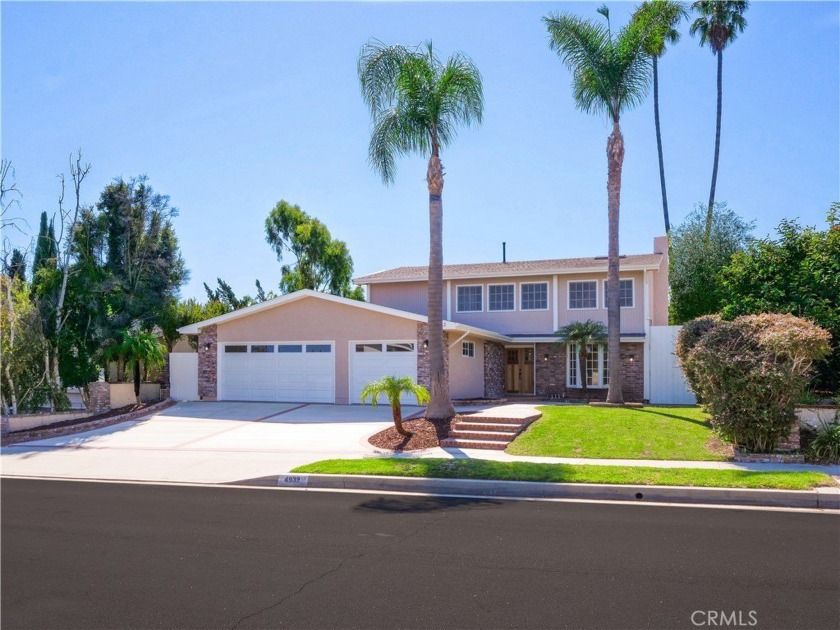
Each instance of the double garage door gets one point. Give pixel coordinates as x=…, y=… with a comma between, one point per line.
x=306, y=371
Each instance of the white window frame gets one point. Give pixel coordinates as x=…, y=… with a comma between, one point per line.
x=620, y=280
x=581, y=370
x=547, y=296
x=501, y=310
x=569, y=306
x=468, y=349
x=458, y=286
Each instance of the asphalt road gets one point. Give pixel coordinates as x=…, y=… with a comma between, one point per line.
x=95, y=555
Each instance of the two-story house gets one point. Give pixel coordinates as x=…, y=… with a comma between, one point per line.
x=499, y=321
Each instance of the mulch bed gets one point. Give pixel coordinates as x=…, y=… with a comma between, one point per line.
x=69, y=427
x=425, y=434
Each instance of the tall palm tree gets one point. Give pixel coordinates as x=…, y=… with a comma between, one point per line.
x=668, y=15
x=393, y=388
x=610, y=74
x=581, y=335
x=719, y=24
x=417, y=102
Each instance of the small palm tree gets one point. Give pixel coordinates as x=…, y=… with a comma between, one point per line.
x=582, y=335
x=417, y=103
x=138, y=347
x=610, y=75
x=719, y=24
x=393, y=388
x=668, y=15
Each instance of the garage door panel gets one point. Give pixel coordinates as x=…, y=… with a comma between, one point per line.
x=279, y=371
x=371, y=360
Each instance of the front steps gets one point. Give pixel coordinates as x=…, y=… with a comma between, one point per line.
x=489, y=429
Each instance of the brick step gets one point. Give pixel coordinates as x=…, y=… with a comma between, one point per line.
x=496, y=445
x=461, y=434
x=487, y=426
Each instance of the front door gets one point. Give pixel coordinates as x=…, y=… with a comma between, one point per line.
x=519, y=372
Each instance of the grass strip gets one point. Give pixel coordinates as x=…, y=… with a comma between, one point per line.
x=568, y=473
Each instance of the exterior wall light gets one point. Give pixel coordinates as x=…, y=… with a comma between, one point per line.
x=545, y=358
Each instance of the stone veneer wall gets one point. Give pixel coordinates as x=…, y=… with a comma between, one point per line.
x=207, y=363
x=100, y=397
x=550, y=375
x=423, y=371
x=494, y=370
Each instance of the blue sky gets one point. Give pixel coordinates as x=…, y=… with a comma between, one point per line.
x=230, y=107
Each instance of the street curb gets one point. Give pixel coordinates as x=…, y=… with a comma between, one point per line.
x=820, y=498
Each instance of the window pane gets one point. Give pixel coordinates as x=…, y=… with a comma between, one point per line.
x=236, y=348
x=625, y=293
x=605, y=379
x=400, y=347
x=501, y=297
x=468, y=349
x=583, y=294
x=262, y=348
x=592, y=375
x=469, y=299
x=535, y=296
x=318, y=347
x=290, y=348
x=368, y=347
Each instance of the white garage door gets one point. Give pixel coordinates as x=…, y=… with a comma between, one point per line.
x=371, y=360
x=287, y=371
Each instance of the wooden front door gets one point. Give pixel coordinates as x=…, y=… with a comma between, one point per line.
x=519, y=371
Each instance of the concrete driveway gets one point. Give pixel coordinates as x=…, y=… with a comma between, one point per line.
x=205, y=442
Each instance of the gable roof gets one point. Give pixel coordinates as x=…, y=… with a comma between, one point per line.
x=194, y=329
x=514, y=268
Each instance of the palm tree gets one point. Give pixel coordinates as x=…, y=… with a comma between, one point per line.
x=668, y=15
x=719, y=24
x=582, y=335
x=417, y=102
x=610, y=74
x=393, y=388
x=138, y=347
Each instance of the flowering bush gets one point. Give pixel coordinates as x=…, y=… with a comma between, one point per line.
x=750, y=372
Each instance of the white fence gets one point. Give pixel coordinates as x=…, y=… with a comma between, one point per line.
x=183, y=375
x=667, y=383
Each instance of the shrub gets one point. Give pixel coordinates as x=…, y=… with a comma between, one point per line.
x=749, y=373
x=826, y=444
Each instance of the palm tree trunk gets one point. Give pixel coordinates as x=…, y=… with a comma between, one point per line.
x=137, y=381
x=615, y=160
x=711, y=207
x=440, y=405
x=659, y=144
x=396, y=413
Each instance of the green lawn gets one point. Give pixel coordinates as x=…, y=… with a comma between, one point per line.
x=567, y=473
x=619, y=433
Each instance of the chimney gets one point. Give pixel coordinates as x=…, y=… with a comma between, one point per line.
x=504, y=251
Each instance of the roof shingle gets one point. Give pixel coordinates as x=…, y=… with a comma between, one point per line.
x=524, y=267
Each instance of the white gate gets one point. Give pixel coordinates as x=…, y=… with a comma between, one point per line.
x=667, y=383
x=183, y=375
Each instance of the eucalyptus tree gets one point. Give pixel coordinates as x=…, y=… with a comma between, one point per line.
x=668, y=15
x=417, y=103
x=610, y=75
x=719, y=23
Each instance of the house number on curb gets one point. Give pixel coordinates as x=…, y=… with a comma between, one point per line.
x=294, y=481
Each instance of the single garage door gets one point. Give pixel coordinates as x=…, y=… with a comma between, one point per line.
x=285, y=372
x=371, y=360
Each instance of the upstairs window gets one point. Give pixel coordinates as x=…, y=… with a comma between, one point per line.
x=583, y=294
x=500, y=297
x=534, y=296
x=625, y=293
x=469, y=299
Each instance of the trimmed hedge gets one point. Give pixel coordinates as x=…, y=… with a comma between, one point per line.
x=749, y=373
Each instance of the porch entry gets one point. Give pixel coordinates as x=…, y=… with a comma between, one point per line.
x=519, y=371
